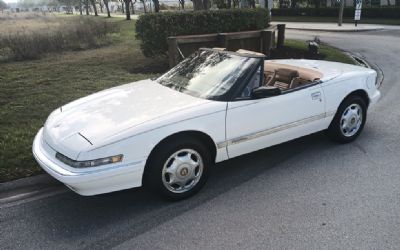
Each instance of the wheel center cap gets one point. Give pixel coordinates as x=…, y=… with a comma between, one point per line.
x=353, y=120
x=184, y=171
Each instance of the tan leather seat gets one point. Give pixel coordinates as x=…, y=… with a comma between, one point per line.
x=283, y=78
x=309, y=75
x=298, y=81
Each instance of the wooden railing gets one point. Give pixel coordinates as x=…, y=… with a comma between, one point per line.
x=258, y=40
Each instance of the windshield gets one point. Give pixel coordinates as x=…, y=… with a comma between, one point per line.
x=207, y=74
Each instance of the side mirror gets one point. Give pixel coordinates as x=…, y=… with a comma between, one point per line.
x=265, y=91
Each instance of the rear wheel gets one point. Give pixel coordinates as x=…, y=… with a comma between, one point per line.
x=349, y=120
x=178, y=168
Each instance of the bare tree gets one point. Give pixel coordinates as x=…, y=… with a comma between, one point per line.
x=87, y=7
x=206, y=4
x=341, y=13
x=122, y=6
x=127, y=10
x=93, y=2
x=80, y=7
x=144, y=5
x=101, y=6
x=107, y=7
x=182, y=4
x=156, y=5
x=252, y=3
x=133, y=2
x=3, y=5
x=198, y=4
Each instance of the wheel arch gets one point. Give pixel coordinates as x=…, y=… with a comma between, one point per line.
x=359, y=92
x=199, y=135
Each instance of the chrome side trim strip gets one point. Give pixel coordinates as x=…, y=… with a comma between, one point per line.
x=270, y=131
x=330, y=113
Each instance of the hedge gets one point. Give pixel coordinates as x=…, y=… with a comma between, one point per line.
x=368, y=12
x=153, y=29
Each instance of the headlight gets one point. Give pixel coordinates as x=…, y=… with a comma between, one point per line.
x=91, y=163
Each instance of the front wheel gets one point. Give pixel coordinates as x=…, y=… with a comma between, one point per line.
x=178, y=168
x=349, y=120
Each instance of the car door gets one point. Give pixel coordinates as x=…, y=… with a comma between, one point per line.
x=254, y=124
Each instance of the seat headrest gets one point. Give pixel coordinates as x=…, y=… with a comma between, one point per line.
x=286, y=74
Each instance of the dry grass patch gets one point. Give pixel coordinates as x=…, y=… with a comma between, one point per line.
x=31, y=38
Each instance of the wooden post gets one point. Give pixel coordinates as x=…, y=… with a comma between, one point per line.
x=266, y=42
x=222, y=40
x=172, y=51
x=281, y=35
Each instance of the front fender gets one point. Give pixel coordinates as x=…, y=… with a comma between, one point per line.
x=138, y=147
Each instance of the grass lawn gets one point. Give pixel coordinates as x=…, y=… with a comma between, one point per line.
x=30, y=90
x=298, y=49
x=334, y=20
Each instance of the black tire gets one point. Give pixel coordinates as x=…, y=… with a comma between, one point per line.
x=153, y=175
x=335, y=131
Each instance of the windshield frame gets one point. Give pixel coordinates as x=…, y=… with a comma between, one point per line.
x=240, y=81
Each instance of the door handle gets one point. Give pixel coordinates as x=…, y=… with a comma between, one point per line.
x=316, y=96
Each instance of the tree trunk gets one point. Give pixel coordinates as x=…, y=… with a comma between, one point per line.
x=182, y=4
x=293, y=4
x=229, y=4
x=198, y=5
x=122, y=7
x=133, y=7
x=156, y=6
x=317, y=4
x=206, y=4
x=107, y=8
x=341, y=13
x=144, y=6
x=252, y=4
x=80, y=7
x=101, y=7
x=127, y=11
x=94, y=7
x=87, y=7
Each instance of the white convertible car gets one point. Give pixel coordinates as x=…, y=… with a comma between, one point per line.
x=166, y=133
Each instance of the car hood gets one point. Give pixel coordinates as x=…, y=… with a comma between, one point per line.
x=91, y=119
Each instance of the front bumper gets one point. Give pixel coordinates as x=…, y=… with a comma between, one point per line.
x=90, y=181
x=375, y=97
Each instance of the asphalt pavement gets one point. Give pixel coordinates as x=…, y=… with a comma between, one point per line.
x=309, y=193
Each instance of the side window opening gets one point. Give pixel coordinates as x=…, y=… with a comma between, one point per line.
x=254, y=82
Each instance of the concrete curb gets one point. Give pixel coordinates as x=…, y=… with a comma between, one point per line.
x=26, y=187
x=333, y=30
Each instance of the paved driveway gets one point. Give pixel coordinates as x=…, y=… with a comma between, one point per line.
x=306, y=194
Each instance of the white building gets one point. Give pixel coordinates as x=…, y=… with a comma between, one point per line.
x=350, y=3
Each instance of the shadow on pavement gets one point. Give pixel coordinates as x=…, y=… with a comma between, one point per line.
x=107, y=220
